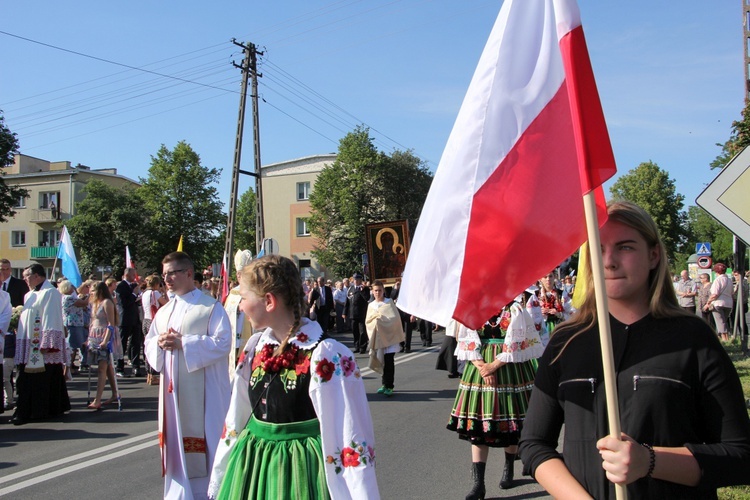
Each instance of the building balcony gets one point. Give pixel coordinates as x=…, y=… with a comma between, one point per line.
x=43, y=252
x=42, y=215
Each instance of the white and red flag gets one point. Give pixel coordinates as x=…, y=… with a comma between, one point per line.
x=224, y=278
x=529, y=141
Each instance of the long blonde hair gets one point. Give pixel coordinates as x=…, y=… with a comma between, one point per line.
x=278, y=276
x=663, y=301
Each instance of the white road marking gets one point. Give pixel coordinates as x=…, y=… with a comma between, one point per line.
x=82, y=465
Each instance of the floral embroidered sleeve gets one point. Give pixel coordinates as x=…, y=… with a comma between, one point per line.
x=237, y=415
x=469, y=344
x=522, y=341
x=348, y=440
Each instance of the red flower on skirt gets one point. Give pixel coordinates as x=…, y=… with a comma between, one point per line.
x=325, y=369
x=349, y=457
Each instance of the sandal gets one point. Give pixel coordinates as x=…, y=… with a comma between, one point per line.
x=110, y=401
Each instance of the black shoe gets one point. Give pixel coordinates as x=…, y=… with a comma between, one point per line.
x=16, y=420
x=507, y=480
x=407, y=350
x=454, y=375
x=477, y=475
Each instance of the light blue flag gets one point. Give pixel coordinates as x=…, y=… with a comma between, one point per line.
x=67, y=256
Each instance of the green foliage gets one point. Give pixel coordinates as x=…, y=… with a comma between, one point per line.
x=362, y=186
x=738, y=139
x=650, y=187
x=703, y=227
x=244, y=224
x=106, y=220
x=9, y=195
x=181, y=200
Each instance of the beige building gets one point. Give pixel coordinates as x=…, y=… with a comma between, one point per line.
x=54, y=189
x=286, y=205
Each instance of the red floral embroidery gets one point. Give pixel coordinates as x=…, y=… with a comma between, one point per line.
x=325, y=370
x=242, y=357
x=303, y=363
x=224, y=432
x=349, y=457
x=302, y=337
x=504, y=322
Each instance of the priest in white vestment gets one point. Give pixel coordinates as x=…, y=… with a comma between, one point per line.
x=189, y=343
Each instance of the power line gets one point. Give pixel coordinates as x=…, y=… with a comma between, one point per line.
x=108, y=61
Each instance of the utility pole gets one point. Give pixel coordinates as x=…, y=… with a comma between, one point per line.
x=249, y=69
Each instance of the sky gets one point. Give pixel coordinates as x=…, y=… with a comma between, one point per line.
x=670, y=77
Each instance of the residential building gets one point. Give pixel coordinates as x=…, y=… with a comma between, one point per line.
x=286, y=206
x=54, y=190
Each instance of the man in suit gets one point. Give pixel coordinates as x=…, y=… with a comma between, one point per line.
x=357, y=298
x=321, y=303
x=15, y=287
x=130, y=329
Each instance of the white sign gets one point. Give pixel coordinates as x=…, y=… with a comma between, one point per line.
x=704, y=262
x=726, y=197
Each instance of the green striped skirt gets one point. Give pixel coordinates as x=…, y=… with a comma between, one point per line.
x=493, y=416
x=276, y=461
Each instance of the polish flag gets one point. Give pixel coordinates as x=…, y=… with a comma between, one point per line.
x=224, y=279
x=530, y=139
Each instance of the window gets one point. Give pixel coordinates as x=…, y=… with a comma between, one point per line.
x=302, y=227
x=18, y=238
x=49, y=238
x=46, y=200
x=305, y=268
x=20, y=202
x=303, y=191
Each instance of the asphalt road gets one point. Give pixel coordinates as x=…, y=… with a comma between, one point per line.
x=90, y=455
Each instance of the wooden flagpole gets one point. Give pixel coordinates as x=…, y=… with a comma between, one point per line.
x=605, y=334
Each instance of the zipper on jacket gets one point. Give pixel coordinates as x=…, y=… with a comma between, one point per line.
x=591, y=381
x=637, y=378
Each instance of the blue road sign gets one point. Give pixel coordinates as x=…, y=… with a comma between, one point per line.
x=703, y=249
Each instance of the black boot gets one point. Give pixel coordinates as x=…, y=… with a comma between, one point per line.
x=507, y=480
x=477, y=475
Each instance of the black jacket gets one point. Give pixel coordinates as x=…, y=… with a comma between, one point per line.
x=315, y=294
x=676, y=387
x=356, y=302
x=128, y=300
x=17, y=289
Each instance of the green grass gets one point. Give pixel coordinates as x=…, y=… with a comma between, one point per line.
x=742, y=364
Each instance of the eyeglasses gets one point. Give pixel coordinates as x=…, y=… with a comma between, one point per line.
x=171, y=274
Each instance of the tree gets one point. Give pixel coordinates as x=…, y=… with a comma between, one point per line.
x=106, y=220
x=181, y=200
x=9, y=195
x=738, y=139
x=702, y=227
x=245, y=222
x=362, y=186
x=650, y=187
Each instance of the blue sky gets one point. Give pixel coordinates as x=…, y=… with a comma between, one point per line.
x=670, y=76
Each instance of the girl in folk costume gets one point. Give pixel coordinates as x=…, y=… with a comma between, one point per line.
x=495, y=388
x=552, y=307
x=298, y=424
x=383, y=323
x=102, y=330
x=41, y=352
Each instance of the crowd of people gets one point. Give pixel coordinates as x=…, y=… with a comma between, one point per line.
x=289, y=417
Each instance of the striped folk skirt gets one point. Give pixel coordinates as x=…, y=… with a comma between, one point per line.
x=276, y=461
x=493, y=416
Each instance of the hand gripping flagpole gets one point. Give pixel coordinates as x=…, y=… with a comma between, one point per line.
x=605, y=334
